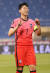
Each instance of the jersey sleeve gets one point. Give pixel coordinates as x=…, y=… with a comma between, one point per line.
x=35, y=27
x=13, y=24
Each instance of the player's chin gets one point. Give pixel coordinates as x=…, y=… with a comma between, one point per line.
x=26, y=14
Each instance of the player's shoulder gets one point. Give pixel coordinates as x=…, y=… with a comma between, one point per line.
x=16, y=19
x=31, y=20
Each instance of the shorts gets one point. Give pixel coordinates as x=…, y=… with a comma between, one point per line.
x=25, y=55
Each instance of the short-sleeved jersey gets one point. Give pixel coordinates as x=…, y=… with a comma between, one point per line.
x=23, y=35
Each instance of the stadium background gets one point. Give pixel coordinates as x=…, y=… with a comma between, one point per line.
x=8, y=11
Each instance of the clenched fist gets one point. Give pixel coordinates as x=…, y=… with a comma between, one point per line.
x=37, y=21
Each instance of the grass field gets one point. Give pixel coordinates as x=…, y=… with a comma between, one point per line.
x=7, y=64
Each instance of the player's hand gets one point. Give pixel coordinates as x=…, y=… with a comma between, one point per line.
x=20, y=23
x=37, y=21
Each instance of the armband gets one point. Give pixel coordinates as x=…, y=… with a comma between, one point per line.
x=35, y=27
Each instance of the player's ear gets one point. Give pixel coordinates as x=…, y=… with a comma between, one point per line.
x=19, y=11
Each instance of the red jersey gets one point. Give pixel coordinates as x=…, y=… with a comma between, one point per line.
x=23, y=35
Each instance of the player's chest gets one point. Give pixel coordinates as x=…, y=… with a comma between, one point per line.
x=26, y=25
x=26, y=28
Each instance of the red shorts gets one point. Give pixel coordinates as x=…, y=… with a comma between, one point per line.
x=25, y=55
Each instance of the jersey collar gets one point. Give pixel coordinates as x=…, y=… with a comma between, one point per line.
x=25, y=20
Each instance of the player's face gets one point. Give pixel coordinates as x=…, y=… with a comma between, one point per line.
x=24, y=10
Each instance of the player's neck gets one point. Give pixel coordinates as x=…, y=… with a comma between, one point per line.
x=25, y=18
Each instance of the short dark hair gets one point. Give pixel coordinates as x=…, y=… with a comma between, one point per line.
x=22, y=4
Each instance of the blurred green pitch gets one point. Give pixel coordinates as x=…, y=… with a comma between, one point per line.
x=7, y=64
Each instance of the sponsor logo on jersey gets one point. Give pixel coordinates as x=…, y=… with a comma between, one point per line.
x=31, y=25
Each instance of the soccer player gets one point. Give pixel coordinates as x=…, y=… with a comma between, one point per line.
x=23, y=28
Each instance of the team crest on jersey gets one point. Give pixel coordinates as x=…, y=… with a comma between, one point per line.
x=31, y=25
x=20, y=61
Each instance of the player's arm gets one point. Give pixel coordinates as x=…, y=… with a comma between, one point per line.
x=12, y=30
x=37, y=28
